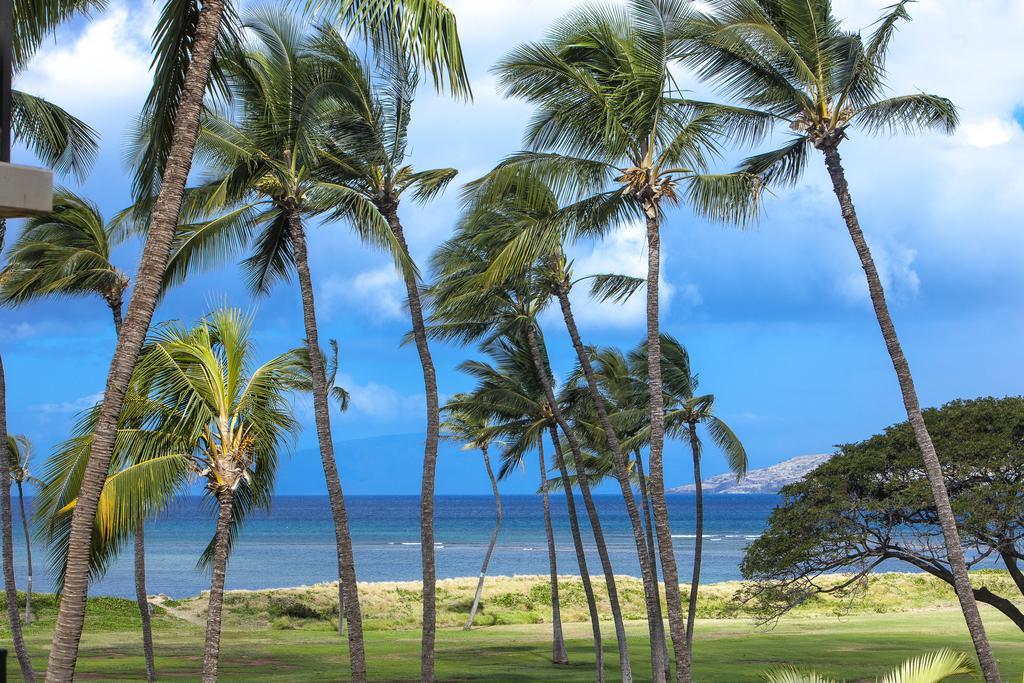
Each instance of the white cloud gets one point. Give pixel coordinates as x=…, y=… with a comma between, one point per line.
x=74, y=406
x=376, y=400
x=102, y=72
x=378, y=294
x=895, y=265
x=989, y=133
x=624, y=252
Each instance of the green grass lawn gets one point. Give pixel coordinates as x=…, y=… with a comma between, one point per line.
x=288, y=634
x=857, y=647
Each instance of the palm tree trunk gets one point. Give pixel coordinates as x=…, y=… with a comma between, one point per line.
x=341, y=608
x=698, y=542
x=321, y=411
x=652, y=550
x=140, y=551
x=494, y=539
x=419, y=332
x=659, y=653
x=140, y=598
x=211, y=656
x=28, y=554
x=933, y=468
x=148, y=283
x=559, y=655
x=543, y=371
x=8, y=539
x=656, y=480
x=581, y=557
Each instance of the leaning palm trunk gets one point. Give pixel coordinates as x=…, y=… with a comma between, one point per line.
x=140, y=553
x=933, y=468
x=419, y=331
x=698, y=542
x=588, y=502
x=656, y=480
x=28, y=554
x=559, y=655
x=221, y=539
x=494, y=539
x=148, y=284
x=8, y=540
x=581, y=556
x=343, y=540
x=659, y=654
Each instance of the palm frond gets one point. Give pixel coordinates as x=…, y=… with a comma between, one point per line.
x=61, y=141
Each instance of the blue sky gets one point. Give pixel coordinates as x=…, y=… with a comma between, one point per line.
x=776, y=317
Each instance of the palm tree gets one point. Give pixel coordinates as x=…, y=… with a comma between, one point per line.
x=200, y=408
x=367, y=152
x=933, y=667
x=527, y=220
x=231, y=417
x=610, y=115
x=466, y=311
x=66, y=144
x=685, y=412
x=341, y=397
x=184, y=43
x=510, y=399
x=19, y=450
x=68, y=253
x=793, y=61
x=467, y=423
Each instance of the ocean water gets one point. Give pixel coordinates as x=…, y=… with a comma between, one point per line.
x=293, y=544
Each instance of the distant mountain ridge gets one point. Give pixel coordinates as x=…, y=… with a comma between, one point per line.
x=762, y=479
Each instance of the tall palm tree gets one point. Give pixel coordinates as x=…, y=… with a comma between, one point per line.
x=467, y=422
x=66, y=144
x=269, y=173
x=341, y=398
x=185, y=39
x=527, y=220
x=369, y=143
x=68, y=253
x=511, y=400
x=685, y=411
x=19, y=450
x=793, y=61
x=609, y=114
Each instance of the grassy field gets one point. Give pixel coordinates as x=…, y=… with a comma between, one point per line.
x=288, y=635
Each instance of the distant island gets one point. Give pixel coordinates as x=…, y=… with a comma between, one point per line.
x=761, y=480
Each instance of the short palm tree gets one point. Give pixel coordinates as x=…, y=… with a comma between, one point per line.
x=933, y=667
x=186, y=37
x=466, y=421
x=514, y=403
x=610, y=115
x=794, y=62
x=19, y=452
x=68, y=253
x=202, y=408
x=467, y=308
